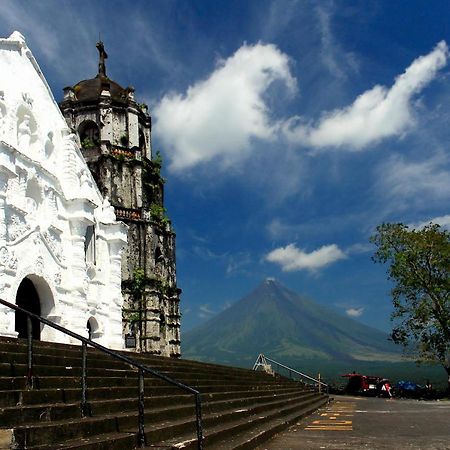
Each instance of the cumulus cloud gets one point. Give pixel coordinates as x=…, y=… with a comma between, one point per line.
x=291, y=258
x=376, y=114
x=443, y=221
x=219, y=116
x=354, y=312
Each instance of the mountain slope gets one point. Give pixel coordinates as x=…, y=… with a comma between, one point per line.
x=285, y=326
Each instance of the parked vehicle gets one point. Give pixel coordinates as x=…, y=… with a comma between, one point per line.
x=359, y=384
x=410, y=389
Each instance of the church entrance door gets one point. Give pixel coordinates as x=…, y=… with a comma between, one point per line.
x=28, y=298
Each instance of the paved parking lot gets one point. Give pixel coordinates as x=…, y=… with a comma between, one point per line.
x=372, y=424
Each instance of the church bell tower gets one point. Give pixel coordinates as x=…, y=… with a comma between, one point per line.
x=115, y=136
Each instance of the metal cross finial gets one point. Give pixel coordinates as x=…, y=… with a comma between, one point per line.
x=102, y=56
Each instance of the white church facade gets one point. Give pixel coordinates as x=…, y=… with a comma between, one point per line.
x=60, y=243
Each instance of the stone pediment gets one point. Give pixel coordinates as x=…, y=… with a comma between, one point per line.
x=32, y=126
x=57, y=233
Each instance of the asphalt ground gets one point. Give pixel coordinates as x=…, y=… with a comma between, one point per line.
x=370, y=423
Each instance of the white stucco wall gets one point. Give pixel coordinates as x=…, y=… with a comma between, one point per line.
x=47, y=200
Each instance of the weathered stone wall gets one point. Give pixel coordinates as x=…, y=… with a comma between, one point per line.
x=122, y=166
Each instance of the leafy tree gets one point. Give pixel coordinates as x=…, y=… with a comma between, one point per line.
x=420, y=270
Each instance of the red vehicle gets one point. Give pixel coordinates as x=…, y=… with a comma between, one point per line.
x=367, y=385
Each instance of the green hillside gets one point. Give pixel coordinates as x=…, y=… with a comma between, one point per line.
x=298, y=332
x=278, y=322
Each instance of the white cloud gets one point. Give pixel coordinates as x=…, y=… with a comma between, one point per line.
x=376, y=114
x=51, y=36
x=291, y=258
x=205, y=311
x=333, y=57
x=443, y=221
x=421, y=183
x=218, y=117
x=354, y=312
x=359, y=248
x=239, y=263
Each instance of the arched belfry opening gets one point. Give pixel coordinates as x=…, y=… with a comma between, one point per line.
x=27, y=298
x=89, y=134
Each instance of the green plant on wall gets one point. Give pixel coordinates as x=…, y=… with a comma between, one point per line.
x=138, y=283
x=162, y=286
x=157, y=160
x=87, y=143
x=158, y=214
x=137, y=292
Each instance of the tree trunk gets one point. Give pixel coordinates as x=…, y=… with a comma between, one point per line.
x=447, y=369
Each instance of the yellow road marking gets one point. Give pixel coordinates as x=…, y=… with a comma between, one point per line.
x=335, y=418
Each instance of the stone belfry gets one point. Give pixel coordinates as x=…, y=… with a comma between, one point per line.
x=115, y=136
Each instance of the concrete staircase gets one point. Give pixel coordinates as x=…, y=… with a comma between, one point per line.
x=241, y=408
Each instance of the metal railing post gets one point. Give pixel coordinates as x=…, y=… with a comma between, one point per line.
x=198, y=417
x=141, y=410
x=320, y=384
x=30, y=378
x=84, y=405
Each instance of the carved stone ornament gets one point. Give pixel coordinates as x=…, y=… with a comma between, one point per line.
x=4, y=256
x=12, y=264
x=40, y=264
x=108, y=214
x=57, y=278
x=54, y=243
x=24, y=133
x=17, y=227
x=3, y=112
x=27, y=99
x=49, y=145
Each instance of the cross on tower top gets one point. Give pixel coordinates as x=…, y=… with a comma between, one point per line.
x=101, y=59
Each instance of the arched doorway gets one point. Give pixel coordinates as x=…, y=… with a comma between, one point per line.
x=27, y=298
x=92, y=329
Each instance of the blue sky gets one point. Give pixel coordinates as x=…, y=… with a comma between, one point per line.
x=289, y=130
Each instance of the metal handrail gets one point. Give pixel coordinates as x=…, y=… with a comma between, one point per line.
x=261, y=360
x=141, y=370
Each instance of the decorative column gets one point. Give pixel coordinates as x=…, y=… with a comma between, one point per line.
x=78, y=231
x=116, y=236
x=6, y=172
x=80, y=215
x=5, y=175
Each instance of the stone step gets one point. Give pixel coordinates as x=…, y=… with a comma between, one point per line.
x=73, y=395
x=19, y=415
x=244, y=431
x=19, y=346
x=20, y=359
x=162, y=422
x=17, y=370
x=263, y=431
x=239, y=406
x=49, y=382
x=106, y=441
